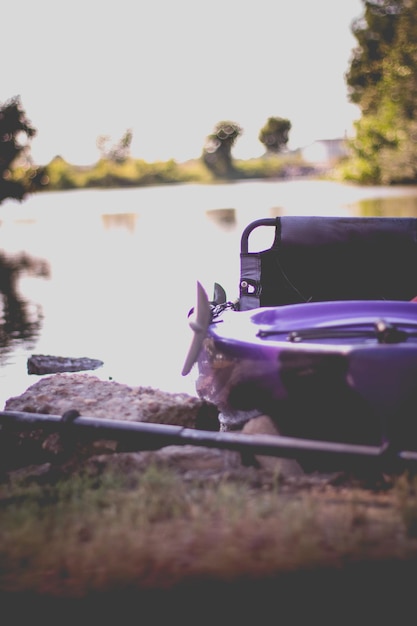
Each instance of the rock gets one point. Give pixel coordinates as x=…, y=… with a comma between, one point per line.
x=263, y=425
x=46, y=364
x=190, y=461
x=92, y=397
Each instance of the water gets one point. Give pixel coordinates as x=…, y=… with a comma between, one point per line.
x=111, y=275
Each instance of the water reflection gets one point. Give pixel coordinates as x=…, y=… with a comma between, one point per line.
x=402, y=206
x=20, y=320
x=120, y=220
x=276, y=211
x=225, y=218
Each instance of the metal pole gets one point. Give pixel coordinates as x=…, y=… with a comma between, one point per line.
x=149, y=436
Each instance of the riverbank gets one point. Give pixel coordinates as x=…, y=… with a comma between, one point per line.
x=201, y=531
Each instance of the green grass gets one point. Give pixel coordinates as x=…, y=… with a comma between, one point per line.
x=155, y=530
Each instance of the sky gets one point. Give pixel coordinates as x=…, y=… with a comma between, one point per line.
x=170, y=70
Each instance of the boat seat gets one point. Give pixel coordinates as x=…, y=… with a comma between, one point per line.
x=317, y=259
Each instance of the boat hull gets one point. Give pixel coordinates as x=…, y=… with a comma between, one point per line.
x=337, y=371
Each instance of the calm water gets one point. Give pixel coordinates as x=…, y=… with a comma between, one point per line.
x=111, y=275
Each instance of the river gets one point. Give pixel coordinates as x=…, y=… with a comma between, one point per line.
x=112, y=274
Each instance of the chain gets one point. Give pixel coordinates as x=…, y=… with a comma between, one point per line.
x=217, y=309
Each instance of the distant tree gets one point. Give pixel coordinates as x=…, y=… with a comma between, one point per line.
x=118, y=152
x=382, y=81
x=274, y=135
x=217, y=152
x=15, y=133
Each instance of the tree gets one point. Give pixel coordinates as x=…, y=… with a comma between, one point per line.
x=15, y=133
x=274, y=135
x=382, y=80
x=118, y=152
x=217, y=152
x=375, y=33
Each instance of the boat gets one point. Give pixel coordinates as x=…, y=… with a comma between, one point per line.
x=322, y=336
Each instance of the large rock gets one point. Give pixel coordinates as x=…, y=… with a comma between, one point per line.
x=92, y=397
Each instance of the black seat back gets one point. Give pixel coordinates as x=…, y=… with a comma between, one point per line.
x=316, y=259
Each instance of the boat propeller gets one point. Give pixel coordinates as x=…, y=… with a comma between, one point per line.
x=199, y=320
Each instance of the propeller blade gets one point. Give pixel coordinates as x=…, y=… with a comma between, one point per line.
x=219, y=296
x=199, y=324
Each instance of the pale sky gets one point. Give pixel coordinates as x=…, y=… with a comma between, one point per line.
x=171, y=69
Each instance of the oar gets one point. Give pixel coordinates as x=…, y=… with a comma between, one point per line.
x=146, y=436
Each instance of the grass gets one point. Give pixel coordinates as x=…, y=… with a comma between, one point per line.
x=59, y=175
x=154, y=530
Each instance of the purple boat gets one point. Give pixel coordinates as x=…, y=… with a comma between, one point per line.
x=323, y=335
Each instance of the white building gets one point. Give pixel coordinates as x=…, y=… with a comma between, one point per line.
x=325, y=151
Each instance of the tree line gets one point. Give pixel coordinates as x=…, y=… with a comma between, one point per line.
x=17, y=131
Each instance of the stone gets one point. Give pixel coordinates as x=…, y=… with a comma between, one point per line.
x=41, y=364
x=92, y=397
x=264, y=425
x=189, y=461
